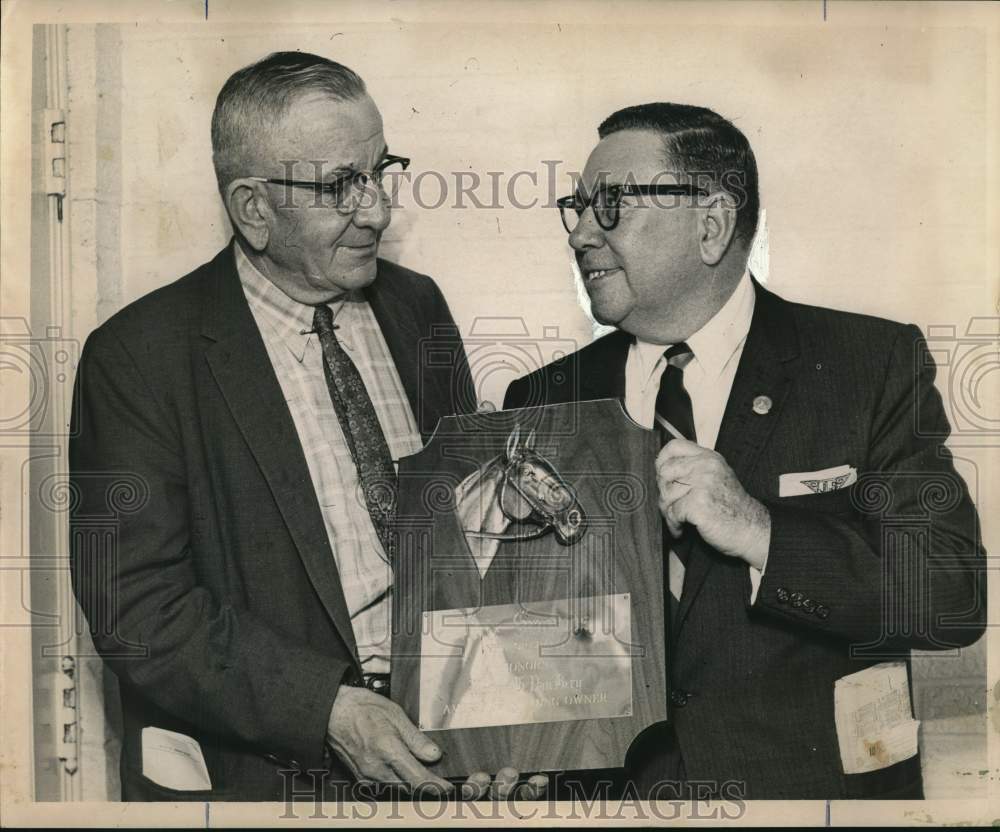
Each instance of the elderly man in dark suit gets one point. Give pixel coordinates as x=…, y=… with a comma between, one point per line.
x=257, y=405
x=815, y=528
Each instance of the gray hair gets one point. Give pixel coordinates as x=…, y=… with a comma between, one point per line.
x=258, y=96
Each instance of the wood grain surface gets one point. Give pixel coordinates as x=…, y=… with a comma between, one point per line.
x=608, y=460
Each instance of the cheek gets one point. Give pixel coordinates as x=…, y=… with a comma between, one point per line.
x=632, y=249
x=621, y=244
x=294, y=231
x=318, y=235
x=333, y=232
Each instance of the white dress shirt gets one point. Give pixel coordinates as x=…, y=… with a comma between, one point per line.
x=708, y=380
x=297, y=358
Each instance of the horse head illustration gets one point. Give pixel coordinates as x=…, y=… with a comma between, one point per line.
x=519, y=485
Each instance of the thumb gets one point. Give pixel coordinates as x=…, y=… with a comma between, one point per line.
x=419, y=744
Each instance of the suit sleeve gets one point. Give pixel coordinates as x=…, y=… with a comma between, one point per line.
x=194, y=655
x=902, y=567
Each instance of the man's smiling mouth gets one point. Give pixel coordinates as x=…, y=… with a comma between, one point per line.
x=591, y=275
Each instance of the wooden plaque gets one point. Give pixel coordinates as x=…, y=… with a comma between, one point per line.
x=546, y=651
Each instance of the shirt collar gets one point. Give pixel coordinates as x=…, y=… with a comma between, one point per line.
x=717, y=341
x=290, y=321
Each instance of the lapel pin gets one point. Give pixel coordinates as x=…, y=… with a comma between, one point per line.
x=761, y=405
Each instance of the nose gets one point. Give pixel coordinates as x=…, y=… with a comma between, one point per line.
x=373, y=209
x=588, y=233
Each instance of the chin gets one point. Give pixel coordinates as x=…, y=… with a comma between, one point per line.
x=608, y=317
x=358, y=278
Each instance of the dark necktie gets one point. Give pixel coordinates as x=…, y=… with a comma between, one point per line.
x=674, y=405
x=673, y=402
x=361, y=428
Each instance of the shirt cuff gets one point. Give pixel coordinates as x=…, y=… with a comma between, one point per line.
x=755, y=576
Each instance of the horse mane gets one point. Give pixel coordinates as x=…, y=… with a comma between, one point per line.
x=479, y=510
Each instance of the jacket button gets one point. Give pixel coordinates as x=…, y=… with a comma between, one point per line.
x=808, y=605
x=822, y=612
x=797, y=599
x=782, y=594
x=678, y=698
x=272, y=758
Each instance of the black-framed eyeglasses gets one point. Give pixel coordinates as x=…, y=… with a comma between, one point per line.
x=348, y=192
x=606, y=202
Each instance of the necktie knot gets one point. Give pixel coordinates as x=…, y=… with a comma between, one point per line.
x=678, y=355
x=323, y=320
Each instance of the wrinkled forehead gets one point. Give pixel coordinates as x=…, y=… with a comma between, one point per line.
x=339, y=134
x=628, y=156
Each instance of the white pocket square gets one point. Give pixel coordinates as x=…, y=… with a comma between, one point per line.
x=817, y=482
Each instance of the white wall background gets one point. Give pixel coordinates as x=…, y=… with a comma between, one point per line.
x=871, y=147
x=871, y=144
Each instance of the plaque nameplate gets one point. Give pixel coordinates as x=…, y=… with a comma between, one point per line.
x=518, y=664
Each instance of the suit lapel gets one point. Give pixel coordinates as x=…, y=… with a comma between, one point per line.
x=241, y=367
x=765, y=369
x=601, y=368
x=394, y=313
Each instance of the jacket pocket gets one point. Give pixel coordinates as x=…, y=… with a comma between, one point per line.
x=839, y=501
x=902, y=781
x=137, y=787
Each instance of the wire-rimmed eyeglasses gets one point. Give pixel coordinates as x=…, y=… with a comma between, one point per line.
x=348, y=192
x=606, y=202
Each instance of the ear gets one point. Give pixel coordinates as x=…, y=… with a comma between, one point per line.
x=512, y=441
x=718, y=227
x=529, y=443
x=250, y=211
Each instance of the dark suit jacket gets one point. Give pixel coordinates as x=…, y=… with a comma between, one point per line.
x=895, y=559
x=199, y=553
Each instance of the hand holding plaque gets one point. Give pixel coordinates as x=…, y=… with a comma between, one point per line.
x=377, y=742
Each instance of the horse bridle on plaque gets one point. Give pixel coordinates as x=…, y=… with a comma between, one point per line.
x=527, y=488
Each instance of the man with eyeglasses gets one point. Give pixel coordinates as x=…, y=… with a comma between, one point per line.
x=257, y=405
x=804, y=555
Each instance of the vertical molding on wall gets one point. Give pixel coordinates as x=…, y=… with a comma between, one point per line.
x=95, y=207
x=56, y=747
x=69, y=726
x=36, y=537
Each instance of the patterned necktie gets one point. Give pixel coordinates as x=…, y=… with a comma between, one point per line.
x=361, y=428
x=673, y=402
x=674, y=405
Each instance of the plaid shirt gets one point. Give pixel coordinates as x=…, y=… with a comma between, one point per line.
x=297, y=358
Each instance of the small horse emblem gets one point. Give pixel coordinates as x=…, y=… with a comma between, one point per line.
x=519, y=485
